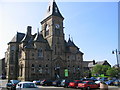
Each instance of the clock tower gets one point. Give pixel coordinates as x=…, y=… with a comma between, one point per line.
x=52, y=29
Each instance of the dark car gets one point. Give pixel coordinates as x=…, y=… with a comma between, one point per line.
x=116, y=82
x=110, y=82
x=86, y=79
x=65, y=82
x=46, y=82
x=93, y=78
x=37, y=82
x=12, y=84
x=57, y=83
x=103, y=79
x=3, y=77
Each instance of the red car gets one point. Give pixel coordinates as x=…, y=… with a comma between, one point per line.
x=87, y=85
x=74, y=84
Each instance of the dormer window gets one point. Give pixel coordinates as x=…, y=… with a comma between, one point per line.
x=49, y=9
x=56, y=9
x=40, y=52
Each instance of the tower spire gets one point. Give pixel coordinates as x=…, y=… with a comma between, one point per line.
x=53, y=10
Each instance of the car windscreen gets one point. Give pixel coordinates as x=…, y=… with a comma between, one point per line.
x=29, y=85
x=15, y=81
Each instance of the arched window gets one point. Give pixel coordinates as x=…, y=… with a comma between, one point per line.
x=40, y=53
x=33, y=68
x=46, y=30
x=40, y=69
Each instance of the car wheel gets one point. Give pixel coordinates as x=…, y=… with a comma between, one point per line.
x=77, y=87
x=88, y=88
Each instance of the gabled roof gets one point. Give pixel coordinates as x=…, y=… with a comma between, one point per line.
x=71, y=44
x=39, y=38
x=18, y=37
x=91, y=64
x=53, y=10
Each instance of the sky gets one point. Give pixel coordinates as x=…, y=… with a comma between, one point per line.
x=92, y=25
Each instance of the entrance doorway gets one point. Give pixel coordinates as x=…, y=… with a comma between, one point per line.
x=57, y=72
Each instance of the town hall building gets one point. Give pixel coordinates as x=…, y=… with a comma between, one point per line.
x=45, y=54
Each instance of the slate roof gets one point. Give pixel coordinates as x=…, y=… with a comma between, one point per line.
x=53, y=10
x=18, y=37
x=39, y=38
x=71, y=44
x=91, y=64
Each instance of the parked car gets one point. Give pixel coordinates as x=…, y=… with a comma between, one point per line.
x=93, y=78
x=26, y=85
x=103, y=79
x=57, y=83
x=46, y=82
x=116, y=82
x=12, y=84
x=74, y=84
x=65, y=82
x=110, y=82
x=88, y=85
x=37, y=82
x=3, y=77
x=86, y=79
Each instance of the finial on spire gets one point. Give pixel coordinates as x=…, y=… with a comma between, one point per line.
x=38, y=30
x=53, y=0
x=69, y=36
x=72, y=39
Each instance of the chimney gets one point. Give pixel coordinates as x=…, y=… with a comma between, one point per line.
x=29, y=28
x=93, y=62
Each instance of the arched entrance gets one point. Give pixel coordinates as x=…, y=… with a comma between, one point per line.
x=57, y=72
x=59, y=66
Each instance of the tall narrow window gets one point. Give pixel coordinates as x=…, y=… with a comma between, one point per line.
x=21, y=70
x=55, y=49
x=40, y=69
x=46, y=30
x=33, y=68
x=40, y=53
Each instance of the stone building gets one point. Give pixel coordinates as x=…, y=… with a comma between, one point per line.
x=45, y=54
x=88, y=66
x=2, y=67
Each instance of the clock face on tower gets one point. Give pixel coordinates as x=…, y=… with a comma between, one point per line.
x=57, y=26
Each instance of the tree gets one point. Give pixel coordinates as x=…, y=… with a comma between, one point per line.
x=97, y=69
x=100, y=69
x=105, y=68
x=112, y=72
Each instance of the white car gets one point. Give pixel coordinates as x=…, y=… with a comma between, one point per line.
x=26, y=86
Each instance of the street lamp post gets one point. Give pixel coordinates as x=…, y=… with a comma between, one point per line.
x=117, y=53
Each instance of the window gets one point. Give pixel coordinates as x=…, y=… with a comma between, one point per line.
x=57, y=32
x=13, y=48
x=12, y=58
x=56, y=9
x=49, y=9
x=40, y=69
x=46, y=30
x=40, y=53
x=21, y=70
x=33, y=68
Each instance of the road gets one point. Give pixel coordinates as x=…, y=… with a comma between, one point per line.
x=3, y=85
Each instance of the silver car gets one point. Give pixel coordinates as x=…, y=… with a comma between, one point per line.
x=26, y=86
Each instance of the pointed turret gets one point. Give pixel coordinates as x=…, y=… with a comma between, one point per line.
x=53, y=10
x=39, y=38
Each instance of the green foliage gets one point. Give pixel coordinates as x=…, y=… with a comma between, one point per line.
x=113, y=72
x=105, y=71
x=100, y=69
